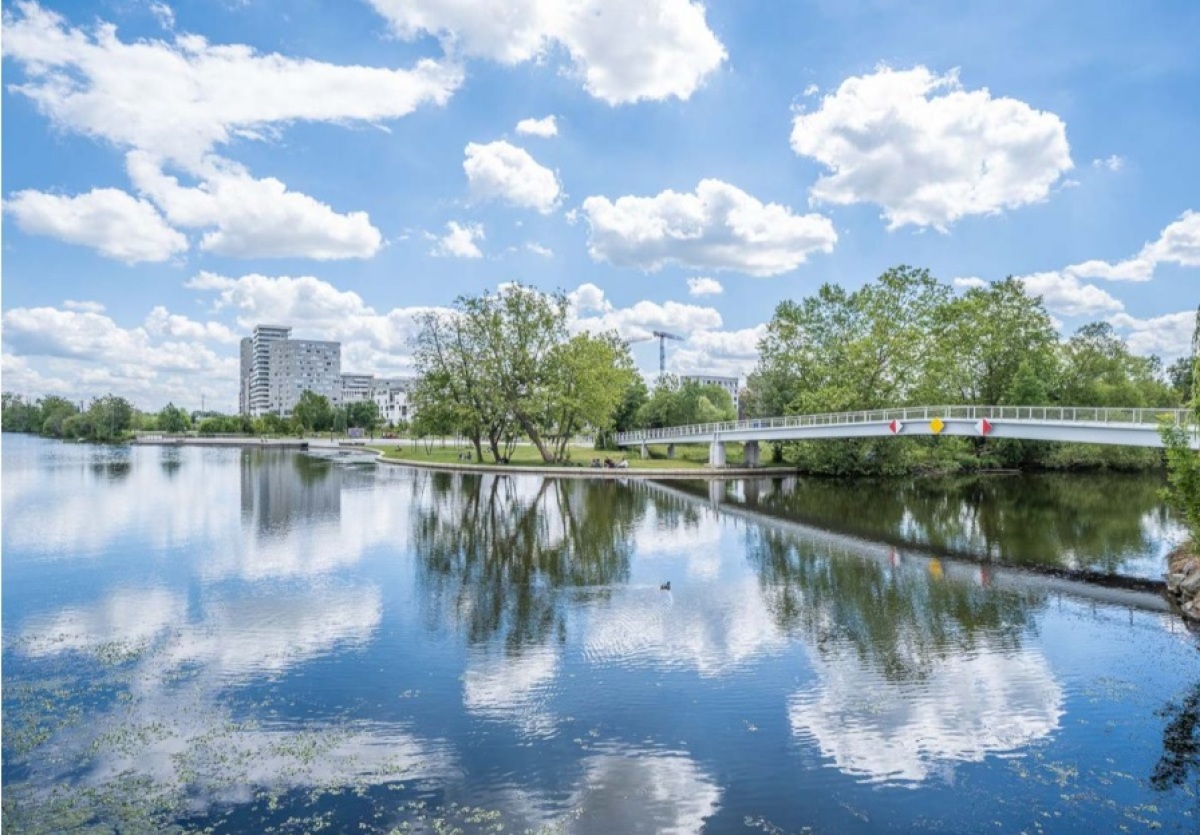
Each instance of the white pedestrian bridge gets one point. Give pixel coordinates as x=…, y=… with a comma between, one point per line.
x=1075, y=424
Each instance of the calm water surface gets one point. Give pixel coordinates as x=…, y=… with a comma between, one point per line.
x=263, y=641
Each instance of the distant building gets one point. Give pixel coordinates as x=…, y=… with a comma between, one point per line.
x=356, y=388
x=730, y=384
x=391, y=396
x=276, y=370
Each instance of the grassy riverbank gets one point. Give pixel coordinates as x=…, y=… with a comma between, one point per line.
x=526, y=455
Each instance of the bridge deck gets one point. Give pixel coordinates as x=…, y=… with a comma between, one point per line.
x=1125, y=427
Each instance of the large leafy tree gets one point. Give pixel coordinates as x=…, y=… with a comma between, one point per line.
x=502, y=362
x=312, y=412
x=174, y=419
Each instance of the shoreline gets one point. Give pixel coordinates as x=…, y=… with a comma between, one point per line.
x=582, y=472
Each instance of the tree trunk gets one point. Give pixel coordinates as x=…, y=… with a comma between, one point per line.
x=535, y=436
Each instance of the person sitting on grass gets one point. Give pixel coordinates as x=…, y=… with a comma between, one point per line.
x=623, y=464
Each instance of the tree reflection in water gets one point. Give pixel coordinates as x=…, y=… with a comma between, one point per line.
x=495, y=552
x=1180, y=759
x=901, y=621
x=1050, y=519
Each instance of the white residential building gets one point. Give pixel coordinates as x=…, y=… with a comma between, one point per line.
x=357, y=388
x=276, y=370
x=730, y=384
x=391, y=396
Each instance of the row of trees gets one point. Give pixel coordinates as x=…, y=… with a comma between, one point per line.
x=113, y=418
x=908, y=339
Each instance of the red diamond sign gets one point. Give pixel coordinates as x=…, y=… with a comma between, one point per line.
x=983, y=426
x=895, y=426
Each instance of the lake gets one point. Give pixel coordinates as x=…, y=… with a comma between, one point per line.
x=264, y=641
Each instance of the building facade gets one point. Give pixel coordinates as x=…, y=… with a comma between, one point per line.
x=391, y=397
x=730, y=384
x=357, y=388
x=276, y=370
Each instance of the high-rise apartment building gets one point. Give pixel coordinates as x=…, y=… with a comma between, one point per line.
x=277, y=369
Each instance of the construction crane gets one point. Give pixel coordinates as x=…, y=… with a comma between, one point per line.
x=663, y=336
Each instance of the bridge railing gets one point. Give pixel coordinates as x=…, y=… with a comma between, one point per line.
x=1038, y=414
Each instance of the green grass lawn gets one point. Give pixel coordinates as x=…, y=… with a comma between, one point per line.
x=687, y=456
x=526, y=455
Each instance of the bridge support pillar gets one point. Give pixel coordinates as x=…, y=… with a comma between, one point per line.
x=716, y=454
x=752, y=456
x=671, y=451
x=643, y=452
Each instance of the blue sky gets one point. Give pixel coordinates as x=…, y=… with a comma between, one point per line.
x=174, y=173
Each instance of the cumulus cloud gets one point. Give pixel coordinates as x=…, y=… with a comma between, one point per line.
x=726, y=353
x=254, y=218
x=970, y=282
x=1063, y=293
x=500, y=171
x=459, y=241
x=110, y=221
x=1112, y=163
x=372, y=340
x=928, y=151
x=1178, y=243
x=639, y=319
x=175, y=102
x=623, y=50
x=700, y=286
x=161, y=322
x=544, y=127
x=716, y=227
x=179, y=99
x=538, y=249
x=1169, y=336
x=84, y=306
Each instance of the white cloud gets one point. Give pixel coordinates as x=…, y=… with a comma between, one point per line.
x=1112, y=163
x=179, y=99
x=927, y=151
x=639, y=319
x=624, y=50
x=538, y=249
x=727, y=353
x=84, y=306
x=544, y=127
x=1063, y=293
x=459, y=241
x=1178, y=243
x=701, y=286
x=371, y=340
x=500, y=171
x=84, y=353
x=1169, y=336
x=110, y=221
x=161, y=322
x=970, y=282
x=253, y=217
x=811, y=90
x=717, y=227
x=164, y=14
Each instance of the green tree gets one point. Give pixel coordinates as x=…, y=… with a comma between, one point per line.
x=591, y=377
x=312, y=412
x=676, y=403
x=455, y=393
x=1100, y=370
x=18, y=414
x=174, y=419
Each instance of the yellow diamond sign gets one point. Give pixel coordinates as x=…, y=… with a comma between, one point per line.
x=937, y=425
